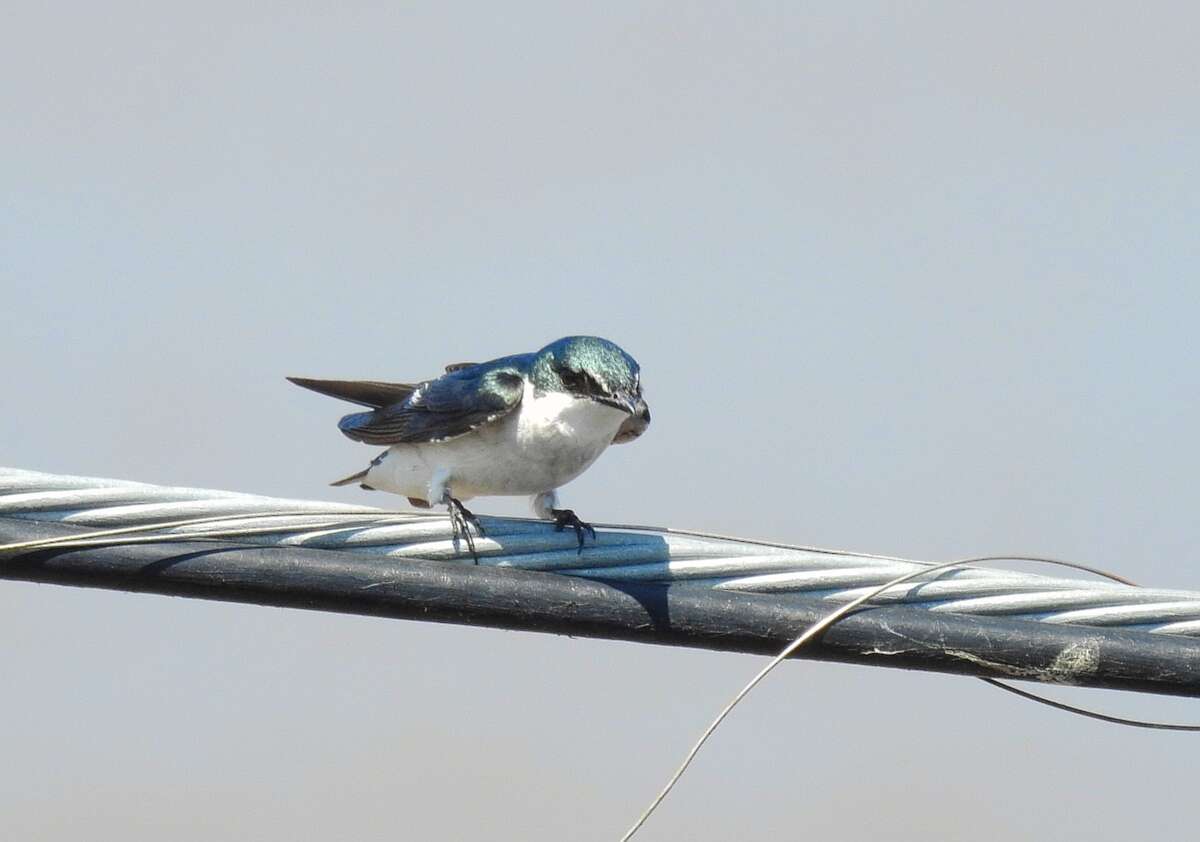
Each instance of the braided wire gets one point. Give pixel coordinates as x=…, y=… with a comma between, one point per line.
x=621, y=553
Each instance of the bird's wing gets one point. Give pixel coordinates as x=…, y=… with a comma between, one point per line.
x=372, y=393
x=453, y=367
x=453, y=405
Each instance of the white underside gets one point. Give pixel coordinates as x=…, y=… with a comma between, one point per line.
x=545, y=443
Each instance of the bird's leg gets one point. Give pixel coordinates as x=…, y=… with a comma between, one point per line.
x=565, y=517
x=461, y=521
x=469, y=517
x=545, y=506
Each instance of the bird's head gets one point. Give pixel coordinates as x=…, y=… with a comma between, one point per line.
x=592, y=368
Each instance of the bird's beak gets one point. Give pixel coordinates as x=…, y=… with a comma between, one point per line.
x=641, y=411
x=636, y=423
x=633, y=404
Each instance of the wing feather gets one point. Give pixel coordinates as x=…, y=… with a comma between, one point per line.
x=372, y=393
x=452, y=405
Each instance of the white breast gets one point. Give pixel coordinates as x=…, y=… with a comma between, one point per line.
x=546, y=442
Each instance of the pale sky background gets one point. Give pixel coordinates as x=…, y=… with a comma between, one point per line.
x=916, y=279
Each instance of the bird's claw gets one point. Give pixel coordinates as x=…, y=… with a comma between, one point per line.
x=565, y=517
x=461, y=521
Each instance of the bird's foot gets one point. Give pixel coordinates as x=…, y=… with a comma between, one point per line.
x=565, y=517
x=461, y=521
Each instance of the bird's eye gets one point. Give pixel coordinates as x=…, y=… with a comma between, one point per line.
x=573, y=380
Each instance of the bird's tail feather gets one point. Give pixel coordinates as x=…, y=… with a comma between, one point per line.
x=361, y=475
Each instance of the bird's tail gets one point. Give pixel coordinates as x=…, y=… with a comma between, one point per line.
x=361, y=475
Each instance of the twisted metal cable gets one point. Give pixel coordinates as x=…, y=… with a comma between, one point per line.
x=622, y=553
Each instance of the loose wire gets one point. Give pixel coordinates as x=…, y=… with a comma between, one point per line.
x=840, y=612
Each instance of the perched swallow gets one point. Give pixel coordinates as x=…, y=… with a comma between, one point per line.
x=520, y=425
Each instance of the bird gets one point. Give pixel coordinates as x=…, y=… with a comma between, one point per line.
x=524, y=424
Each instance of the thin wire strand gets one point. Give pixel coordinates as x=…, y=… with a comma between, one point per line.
x=826, y=550
x=99, y=537
x=1090, y=714
x=182, y=537
x=840, y=612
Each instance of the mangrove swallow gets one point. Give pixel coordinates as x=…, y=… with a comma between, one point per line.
x=519, y=425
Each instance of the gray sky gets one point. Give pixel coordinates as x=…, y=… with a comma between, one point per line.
x=918, y=279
